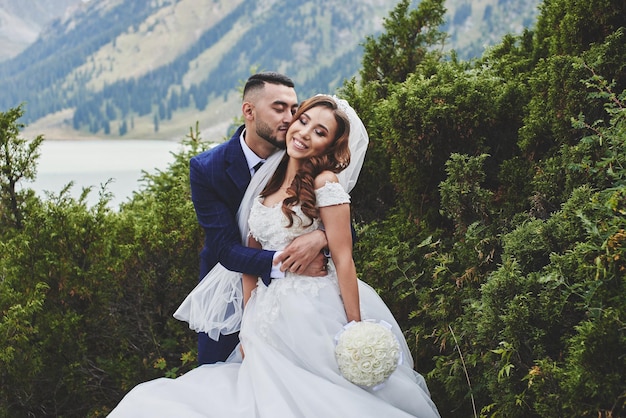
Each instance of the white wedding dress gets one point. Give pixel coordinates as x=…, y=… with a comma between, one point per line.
x=288, y=334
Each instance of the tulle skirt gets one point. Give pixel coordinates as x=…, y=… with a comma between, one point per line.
x=289, y=370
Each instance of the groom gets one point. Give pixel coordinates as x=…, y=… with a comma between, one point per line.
x=219, y=178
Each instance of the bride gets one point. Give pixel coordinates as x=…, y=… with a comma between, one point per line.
x=286, y=365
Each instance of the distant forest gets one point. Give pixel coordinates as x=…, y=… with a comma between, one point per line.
x=159, y=92
x=57, y=56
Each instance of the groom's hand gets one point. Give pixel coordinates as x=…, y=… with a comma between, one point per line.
x=304, y=255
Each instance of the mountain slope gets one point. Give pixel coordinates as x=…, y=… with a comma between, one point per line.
x=22, y=22
x=148, y=68
x=474, y=25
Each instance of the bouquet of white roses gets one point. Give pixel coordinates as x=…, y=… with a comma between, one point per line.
x=367, y=353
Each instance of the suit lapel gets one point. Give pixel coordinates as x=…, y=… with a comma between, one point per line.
x=236, y=164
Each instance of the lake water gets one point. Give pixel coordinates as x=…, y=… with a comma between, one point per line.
x=93, y=162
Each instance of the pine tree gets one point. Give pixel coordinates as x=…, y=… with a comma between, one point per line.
x=17, y=163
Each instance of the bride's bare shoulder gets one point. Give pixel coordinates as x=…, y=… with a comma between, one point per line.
x=325, y=177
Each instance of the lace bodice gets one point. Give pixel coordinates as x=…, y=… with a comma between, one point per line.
x=268, y=225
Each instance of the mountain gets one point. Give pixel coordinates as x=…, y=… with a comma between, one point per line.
x=152, y=68
x=475, y=25
x=21, y=22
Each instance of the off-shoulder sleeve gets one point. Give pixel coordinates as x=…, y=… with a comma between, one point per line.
x=331, y=194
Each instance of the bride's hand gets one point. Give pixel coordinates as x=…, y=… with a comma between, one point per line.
x=317, y=267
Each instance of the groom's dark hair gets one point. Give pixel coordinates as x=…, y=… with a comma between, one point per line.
x=258, y=81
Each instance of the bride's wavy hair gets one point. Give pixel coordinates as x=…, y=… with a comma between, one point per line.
x=335, y=158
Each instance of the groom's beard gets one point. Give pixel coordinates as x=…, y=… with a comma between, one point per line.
x=264, y=131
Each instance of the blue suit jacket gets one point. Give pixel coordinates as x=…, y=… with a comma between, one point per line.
x=219, y=178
